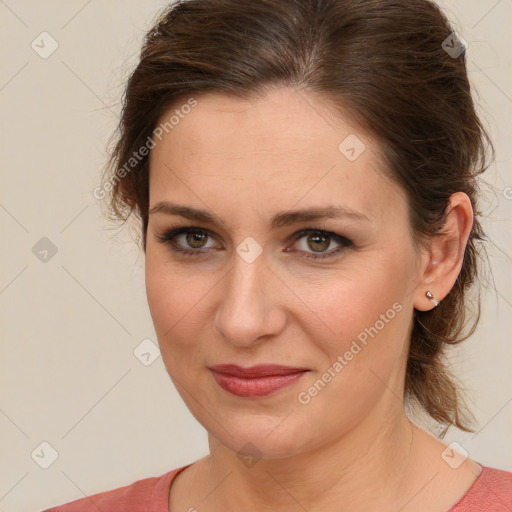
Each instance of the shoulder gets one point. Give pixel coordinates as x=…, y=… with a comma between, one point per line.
x=135, y=497
x=491, y=492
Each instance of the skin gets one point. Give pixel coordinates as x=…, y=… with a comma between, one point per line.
x=351, y=447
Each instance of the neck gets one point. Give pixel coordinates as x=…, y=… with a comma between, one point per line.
x=365, y=468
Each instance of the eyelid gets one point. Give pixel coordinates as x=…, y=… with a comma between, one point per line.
x=169, y=235
x=344, y=244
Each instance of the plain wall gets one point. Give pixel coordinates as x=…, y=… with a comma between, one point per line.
x=70, y=324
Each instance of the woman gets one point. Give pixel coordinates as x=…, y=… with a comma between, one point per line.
x=305, y=176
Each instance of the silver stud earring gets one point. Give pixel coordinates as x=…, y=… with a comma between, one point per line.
x=430, y=296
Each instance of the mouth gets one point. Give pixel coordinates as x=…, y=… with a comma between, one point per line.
x=255, y=381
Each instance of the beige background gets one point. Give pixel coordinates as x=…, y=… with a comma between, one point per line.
x=69, y=325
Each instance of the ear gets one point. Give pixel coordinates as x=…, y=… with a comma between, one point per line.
x=442, y=260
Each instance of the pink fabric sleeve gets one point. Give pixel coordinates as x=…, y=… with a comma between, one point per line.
x=491, y=492
x=147, y=495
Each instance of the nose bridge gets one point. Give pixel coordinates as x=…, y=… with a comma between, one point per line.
x=246, y=313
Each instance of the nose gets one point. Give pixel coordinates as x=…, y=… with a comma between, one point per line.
x=248, y=311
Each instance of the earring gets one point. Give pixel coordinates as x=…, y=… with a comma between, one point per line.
x=430, y=296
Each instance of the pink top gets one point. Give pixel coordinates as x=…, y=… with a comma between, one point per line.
x=491, y=492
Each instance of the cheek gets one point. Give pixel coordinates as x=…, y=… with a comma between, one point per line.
x=171, y=291
x=177, y=299
x=350, y=304
x=162, y=294
x=168, y=299
x=367, y=315
x=363, y=359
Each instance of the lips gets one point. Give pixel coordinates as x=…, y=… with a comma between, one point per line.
x=255, y=381
x=262, y=370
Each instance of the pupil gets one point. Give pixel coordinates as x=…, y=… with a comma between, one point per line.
x=194, y=239
x=318, y=239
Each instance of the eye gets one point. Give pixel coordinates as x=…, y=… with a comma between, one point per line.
x=194, y=242
x=319, y=241
x=192, y=237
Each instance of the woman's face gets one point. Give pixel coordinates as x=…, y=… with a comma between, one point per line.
x=249, y=292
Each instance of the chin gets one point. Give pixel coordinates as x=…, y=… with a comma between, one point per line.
x=264, y=436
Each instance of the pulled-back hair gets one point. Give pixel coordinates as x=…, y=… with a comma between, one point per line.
x=394, y=66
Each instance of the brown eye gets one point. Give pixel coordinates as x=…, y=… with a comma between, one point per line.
x=317, y=243
x=188, y=241
x=196, y=239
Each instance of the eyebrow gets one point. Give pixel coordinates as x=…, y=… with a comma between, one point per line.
x=279, y=220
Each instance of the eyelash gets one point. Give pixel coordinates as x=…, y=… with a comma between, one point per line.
x=168, y=238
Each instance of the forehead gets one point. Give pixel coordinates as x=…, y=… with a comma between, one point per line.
x=283, y=122
x=277, y=150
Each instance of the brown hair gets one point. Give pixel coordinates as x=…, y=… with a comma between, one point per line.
x=386, y=63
